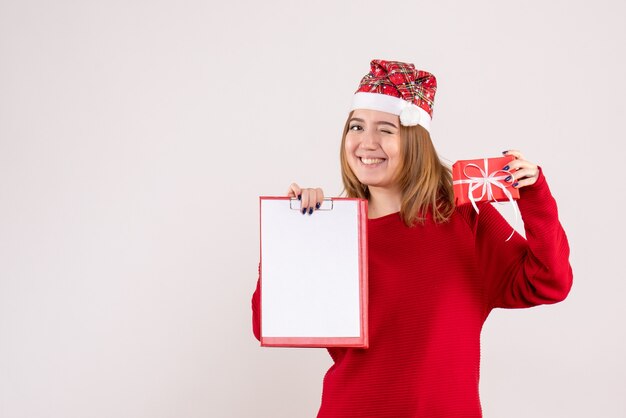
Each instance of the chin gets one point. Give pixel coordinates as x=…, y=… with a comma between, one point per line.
x=372, y=183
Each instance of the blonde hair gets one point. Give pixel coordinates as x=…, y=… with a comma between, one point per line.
x=425, y=182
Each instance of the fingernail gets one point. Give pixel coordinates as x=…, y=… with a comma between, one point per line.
x=299, y=197
x=506, y=168
x=504, y=152
x=317, y=205
x=310, y=211
x=515, y=184
x=508, y=178
x=303, y=211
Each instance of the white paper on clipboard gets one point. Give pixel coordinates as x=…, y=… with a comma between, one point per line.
x=313, y=273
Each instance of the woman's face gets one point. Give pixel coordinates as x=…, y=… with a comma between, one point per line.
x=372, y=147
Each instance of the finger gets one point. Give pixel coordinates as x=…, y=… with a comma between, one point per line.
x=515, y=153
x=525, y=182
x=319, y=198
x=312, y=201
x=306, y=199
x=518, y=165
x=525, y=173
x=294, y=190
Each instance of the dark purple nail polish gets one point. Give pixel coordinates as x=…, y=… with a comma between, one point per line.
x=310, y=211
x=504, y=152
x=317, y=205
x=299, y=197
x=508, y=178
x=303, y=211
x=506, y=168
x=515, y=184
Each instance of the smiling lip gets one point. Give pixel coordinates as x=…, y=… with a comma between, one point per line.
x=371, y=160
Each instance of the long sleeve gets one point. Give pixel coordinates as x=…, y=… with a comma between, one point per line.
x=523, y=272
x=256, y=320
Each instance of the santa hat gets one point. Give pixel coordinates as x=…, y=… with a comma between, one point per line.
x=398, y=88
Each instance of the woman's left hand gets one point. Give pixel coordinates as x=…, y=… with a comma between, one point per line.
x=524, y=173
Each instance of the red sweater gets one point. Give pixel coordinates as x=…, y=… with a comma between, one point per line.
x=431, y=287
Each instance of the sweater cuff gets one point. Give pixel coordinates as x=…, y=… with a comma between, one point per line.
x=536, y=199
x=537, y=187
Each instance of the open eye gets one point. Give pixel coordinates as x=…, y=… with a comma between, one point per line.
x=356, y=127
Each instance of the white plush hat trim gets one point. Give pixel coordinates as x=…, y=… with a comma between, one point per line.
x=410, y=114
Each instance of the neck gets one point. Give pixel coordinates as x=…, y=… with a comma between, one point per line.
x=383, y=201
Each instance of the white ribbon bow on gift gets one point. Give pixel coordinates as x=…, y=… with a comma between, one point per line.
x=486, y=181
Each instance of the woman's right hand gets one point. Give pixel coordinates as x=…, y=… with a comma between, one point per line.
x=310, y=199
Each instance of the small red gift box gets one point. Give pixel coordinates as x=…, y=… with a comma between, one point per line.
x=482, y=180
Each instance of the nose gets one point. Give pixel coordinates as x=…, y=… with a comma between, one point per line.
x=369, y=140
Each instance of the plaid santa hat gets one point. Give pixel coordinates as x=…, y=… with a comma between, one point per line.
x=398, y=88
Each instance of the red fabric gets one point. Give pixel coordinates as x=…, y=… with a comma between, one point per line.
x=431, y=288
x=402, y=80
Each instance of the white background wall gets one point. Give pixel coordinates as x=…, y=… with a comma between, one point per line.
x=136, y=136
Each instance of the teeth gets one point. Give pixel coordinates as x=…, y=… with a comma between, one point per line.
x=372, y=160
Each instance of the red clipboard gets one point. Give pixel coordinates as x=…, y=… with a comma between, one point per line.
x=313, y=273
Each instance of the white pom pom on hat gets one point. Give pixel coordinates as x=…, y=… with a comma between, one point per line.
x=410, y=115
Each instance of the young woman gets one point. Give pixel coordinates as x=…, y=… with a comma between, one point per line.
x=435, y=270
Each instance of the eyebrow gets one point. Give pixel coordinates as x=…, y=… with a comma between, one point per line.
x=380, y=122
